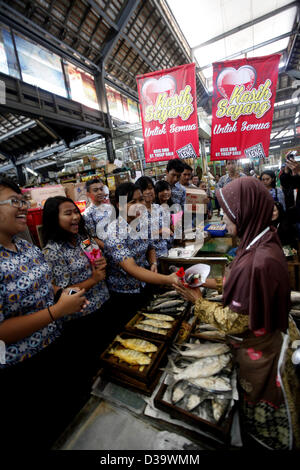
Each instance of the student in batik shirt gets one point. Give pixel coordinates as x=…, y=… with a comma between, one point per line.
x=130, y=254
x=97, y=215
x=64, y=234
x=174, y=170
x=33, y=368
x=158, y=221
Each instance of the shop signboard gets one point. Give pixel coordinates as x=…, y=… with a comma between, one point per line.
x=169, y=113
x=243, y=99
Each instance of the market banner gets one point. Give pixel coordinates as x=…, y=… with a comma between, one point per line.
x=169, y=113
x=243, y=99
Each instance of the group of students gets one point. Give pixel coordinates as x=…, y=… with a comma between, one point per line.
x=53, y=340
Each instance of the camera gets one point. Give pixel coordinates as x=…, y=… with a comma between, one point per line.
x=291, y=155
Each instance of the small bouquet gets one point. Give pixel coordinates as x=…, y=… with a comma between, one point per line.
x=91, y=250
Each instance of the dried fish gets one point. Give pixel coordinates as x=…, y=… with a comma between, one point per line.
x=157, y=324
x=204, y=367
x=137, y=344
x=151, y=329
x=158, y=316
x=203, y=350
x=213, y=384
x=131, y=357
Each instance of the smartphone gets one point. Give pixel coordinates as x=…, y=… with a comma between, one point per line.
x=72, y=291
x=291, y=156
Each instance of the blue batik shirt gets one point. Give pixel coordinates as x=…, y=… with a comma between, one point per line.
x=157, y=219
x=178, y=194
x=25, y=288
x=278, y=196
x=124, y=242
x=70, y=266
x=97, y=218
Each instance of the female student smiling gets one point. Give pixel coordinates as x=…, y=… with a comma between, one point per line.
x=34, y=366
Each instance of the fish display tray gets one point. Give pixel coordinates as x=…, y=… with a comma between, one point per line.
x=148, y=335
x=220, y=431
x=145, y=374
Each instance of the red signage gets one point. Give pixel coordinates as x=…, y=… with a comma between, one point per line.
x=242, y=107
x=169, y=113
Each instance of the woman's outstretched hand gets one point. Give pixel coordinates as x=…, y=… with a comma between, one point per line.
x=188, y=293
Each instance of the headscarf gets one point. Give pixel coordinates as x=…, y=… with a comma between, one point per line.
x=258, y=284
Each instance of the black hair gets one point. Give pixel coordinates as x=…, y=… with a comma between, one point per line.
x=143, y=182
x=269, y=173
x=160, y=186
x=125, y=189
x=188, y=167
x=90, y=182
x=51, y=229
x=7, y=183
x=176, y=165
x=281, y=213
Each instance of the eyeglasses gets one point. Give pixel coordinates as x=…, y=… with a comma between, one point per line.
x=17, y=203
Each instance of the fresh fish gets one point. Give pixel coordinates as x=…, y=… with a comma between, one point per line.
x=137, y=344
x=177, y=394
x=169, y=304
x=204, y=411
x=206, y=327
x=131, y=357
x=204, y=367
x=157, y=324
x=214, y=384
x=158, y=316
x=151, y=329
x=173, y=311
x=295, y=297
x=203, y=350
x=211, y=334
x=170, y=293
x=194, y=401
x=219, y=407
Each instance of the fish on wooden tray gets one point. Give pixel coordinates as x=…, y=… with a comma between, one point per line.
x=131, y=357
x=177, y=394
x=137, y=344
x=158, y=316
x=203, y=350
x=204, y=367
x=219, y=406
x=156, y=323
x=151, y=329
x=169, y=304
x=212, y=384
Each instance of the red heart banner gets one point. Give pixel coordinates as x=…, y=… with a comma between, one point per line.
x=169, y=113
x=243, y=99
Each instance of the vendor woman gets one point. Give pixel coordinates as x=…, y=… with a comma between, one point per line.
x=34, y=378
x=255, y=310
x=66, y=246
x=130, y=254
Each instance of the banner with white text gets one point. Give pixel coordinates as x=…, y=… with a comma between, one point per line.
x=244, y=92
x=169, y=113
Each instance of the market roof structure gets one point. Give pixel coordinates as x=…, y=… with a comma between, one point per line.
x=114, y=40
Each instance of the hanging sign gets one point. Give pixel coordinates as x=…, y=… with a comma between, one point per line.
x=243, y=99
x=169, y=113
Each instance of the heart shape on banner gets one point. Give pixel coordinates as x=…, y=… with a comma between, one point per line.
x=152, y=87
x=230, y=77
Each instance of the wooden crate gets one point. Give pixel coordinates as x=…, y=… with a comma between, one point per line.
x=220, y=431
x=144, y=374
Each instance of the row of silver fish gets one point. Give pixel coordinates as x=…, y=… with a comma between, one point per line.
x=202, y=405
